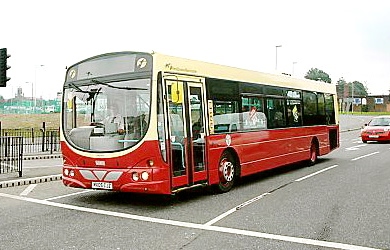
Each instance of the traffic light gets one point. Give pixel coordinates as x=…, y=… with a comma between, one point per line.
x=3, y=67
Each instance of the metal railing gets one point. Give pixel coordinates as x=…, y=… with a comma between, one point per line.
x=11, y=154
x=14, y=143
x=39, y=140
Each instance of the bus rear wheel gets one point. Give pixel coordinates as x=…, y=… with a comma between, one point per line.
x=227, y=173
x=313, y=154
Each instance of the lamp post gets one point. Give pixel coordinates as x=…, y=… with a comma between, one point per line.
x=35, y=82
x=32, y=94
x=353, y=99
x=276, y=57
x=293, y=68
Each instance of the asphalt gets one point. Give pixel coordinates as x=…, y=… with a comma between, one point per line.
x=45, y=174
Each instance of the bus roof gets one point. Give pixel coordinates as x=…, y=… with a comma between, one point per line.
x=205, y=69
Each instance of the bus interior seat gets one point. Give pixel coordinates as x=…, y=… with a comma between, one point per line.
x=81, y=135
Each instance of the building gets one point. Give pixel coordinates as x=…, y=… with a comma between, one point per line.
x=370, y=103
x=29, y=105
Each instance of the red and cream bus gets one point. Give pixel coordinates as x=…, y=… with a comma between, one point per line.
x=151, y=123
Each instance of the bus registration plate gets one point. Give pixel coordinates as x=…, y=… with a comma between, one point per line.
x=102, y=185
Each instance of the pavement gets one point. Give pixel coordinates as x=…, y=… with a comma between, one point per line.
x=45, y=174
x=33, y=175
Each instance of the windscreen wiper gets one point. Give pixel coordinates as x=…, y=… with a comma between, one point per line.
x=116, y=87
x=77, y=87
x=92, y=93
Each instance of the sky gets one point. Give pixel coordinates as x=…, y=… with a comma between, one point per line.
x=348, y=39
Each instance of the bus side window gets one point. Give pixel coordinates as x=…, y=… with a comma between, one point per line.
x=253, y=117
x=294, y=114
x=329, y=109
x=226, y=113
x=276, y=116
x=309, y=108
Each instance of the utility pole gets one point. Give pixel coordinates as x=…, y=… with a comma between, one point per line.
x=276, y=59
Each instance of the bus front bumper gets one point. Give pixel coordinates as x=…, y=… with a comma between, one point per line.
x=123, y=180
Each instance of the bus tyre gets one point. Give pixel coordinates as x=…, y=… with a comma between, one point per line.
x=227, y=173
x=313, y=154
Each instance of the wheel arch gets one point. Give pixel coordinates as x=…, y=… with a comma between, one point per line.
x=229, y=170
x=313, y=155
x=316, y=142
x=234, y=154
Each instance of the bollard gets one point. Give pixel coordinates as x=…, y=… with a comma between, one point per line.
x=43, y=130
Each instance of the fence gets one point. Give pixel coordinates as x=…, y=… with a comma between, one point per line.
x=14, y=143
x=36, y=140
x=11, y=154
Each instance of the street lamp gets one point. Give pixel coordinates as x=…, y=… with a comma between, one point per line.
x=353, y=99
x=32, y=94
x=35, y=82
x=293, y=68
x=276, y=59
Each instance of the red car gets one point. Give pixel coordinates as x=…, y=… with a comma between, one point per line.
x=378, y=129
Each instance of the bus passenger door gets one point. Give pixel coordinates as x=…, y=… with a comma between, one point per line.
x=196, y=127
x=186, y=113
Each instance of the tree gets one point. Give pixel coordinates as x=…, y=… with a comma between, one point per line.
x=341, y=88
x=345, y=92
x=344, y=89
x=318, y=75
x=358, y=89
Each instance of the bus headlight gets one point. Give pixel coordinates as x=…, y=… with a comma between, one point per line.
x=66, y=172
x=144, y=176
x=135, y=176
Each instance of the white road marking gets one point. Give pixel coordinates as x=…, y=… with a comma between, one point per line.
x=251, y=201
x=67, y=195
x=363, y=156
x=28, y=189
x=220, y=217
x=298, y=240
x=246, y=203
x=315, y=173
x=355, y=147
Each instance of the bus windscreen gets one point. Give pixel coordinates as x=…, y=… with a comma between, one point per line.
x=111, y=64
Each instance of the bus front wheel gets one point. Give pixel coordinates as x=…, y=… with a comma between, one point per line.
x=227, y=173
